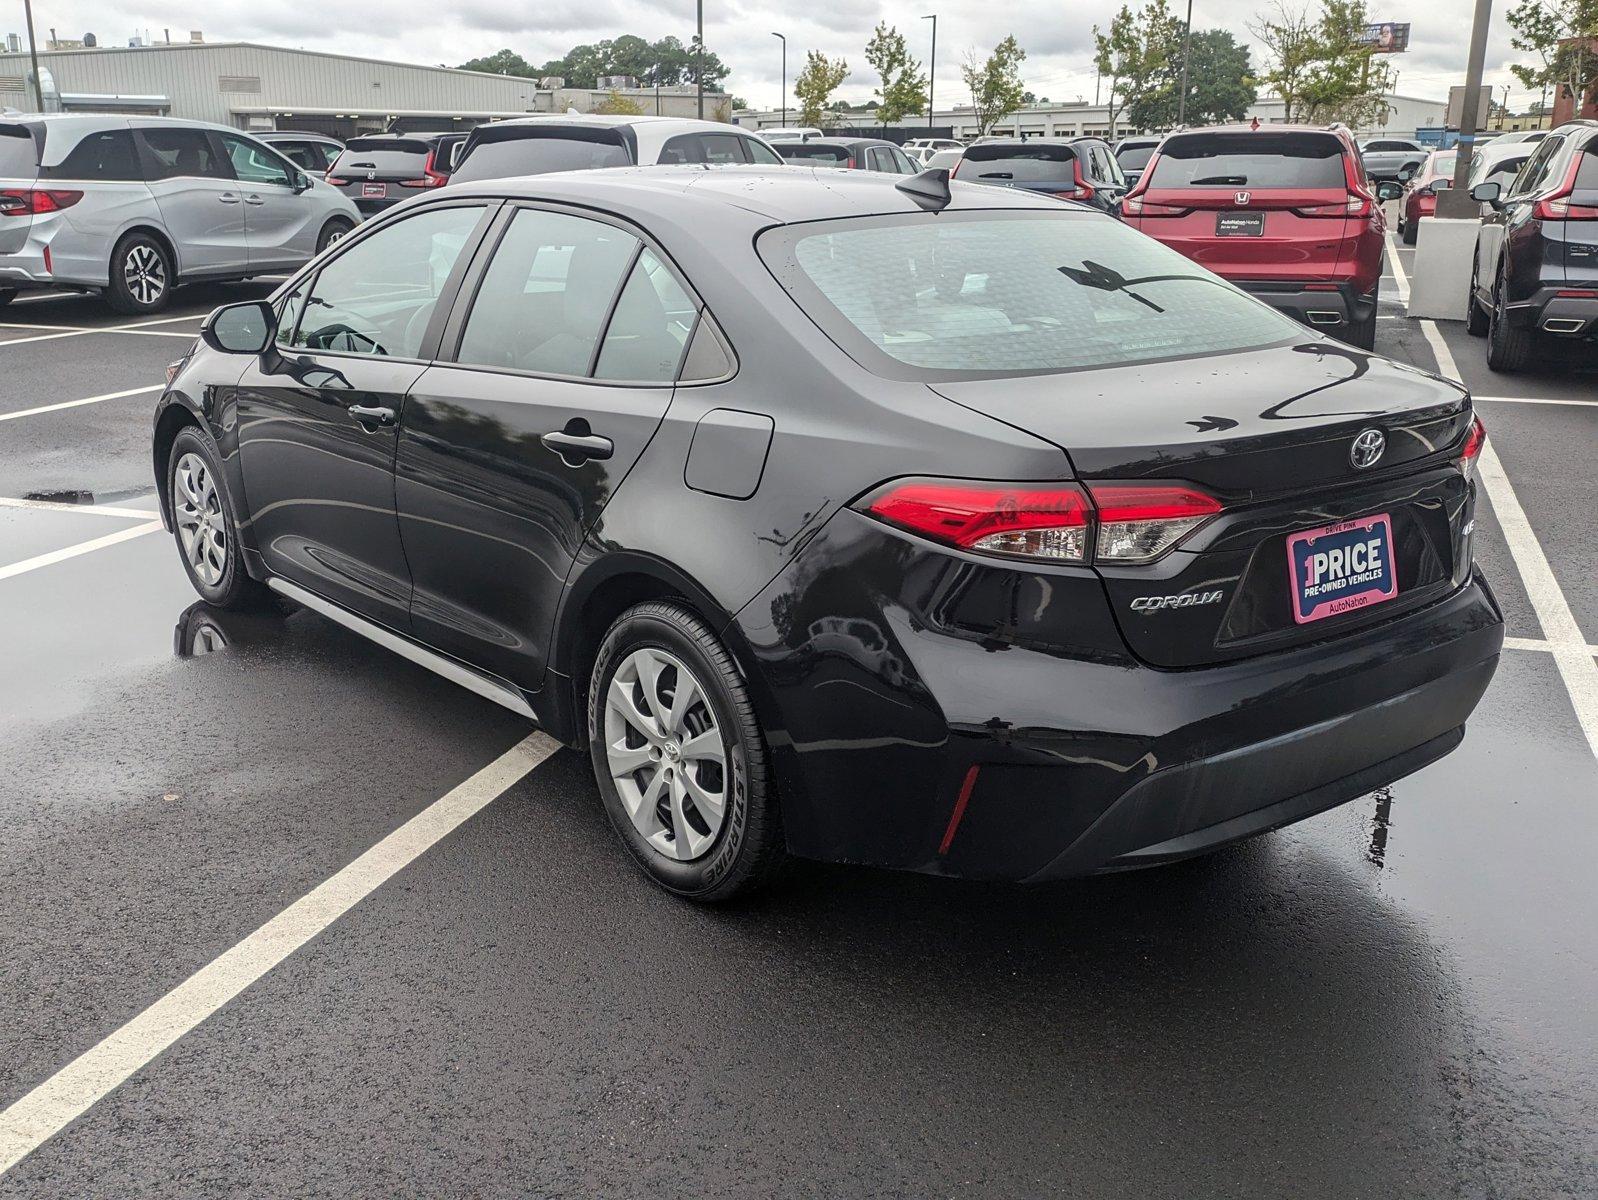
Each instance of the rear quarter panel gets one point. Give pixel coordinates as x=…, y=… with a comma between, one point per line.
x=80, y=247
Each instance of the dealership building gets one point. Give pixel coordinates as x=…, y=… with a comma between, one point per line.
x=256, y=87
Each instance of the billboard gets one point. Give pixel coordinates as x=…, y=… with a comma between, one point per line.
x=1389, y=37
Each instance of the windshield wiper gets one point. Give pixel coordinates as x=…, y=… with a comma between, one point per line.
x=1220, y=181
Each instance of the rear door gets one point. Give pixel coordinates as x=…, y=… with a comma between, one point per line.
x=199, y=199
x=564, y=363
x=279, y=225
x=1250, y=205
x=21, y=145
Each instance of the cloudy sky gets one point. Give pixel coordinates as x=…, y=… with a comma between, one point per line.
x=1057, y=37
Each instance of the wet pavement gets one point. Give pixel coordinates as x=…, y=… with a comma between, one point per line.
x=1392, y=999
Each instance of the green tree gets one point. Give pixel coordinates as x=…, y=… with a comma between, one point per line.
x=1292, y=51
x=1320, y=66
x=617, y=105
x=904, y=88
x=994, y=83
x=1540, y=26
x=815, y=85
x=501, y=62
x=1140, y=58
x=666, y=63
x=1220, y=84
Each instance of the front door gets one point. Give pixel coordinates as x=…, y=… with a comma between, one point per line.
x=318, y=420
x=199, y=200
x=564, y=368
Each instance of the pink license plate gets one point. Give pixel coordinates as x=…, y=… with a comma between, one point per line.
x=1338, y=568
x=378, y=191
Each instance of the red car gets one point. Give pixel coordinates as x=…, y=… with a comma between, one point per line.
x=1282, y=211
x=1420, y=193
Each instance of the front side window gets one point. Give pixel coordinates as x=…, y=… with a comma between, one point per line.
x=647, y=332
x=1258, y=161
x=761, y=153
x=901, y=160
x=722, y=148
x=972, y=295
x=183, y=154
x=544, y=298
x=305, y=155
x=379, y=295
x=254, y=163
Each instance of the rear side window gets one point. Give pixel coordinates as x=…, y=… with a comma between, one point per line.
x=503, y=158
x=1587, y=170
x=761, y=153
x=1018, y=163
x=107, y=156
x=1252, y=160
x=649, y=329
x=544, y=298
x=19, y=157
x=182, y=154
x=981, y=294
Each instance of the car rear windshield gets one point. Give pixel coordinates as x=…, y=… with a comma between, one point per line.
x=19, y=158
x=540, y=154
x=984, y=294
x=809, y=152
x=1135, y=158
x=1252, y=160
x=388, y=155
x=1018, y=163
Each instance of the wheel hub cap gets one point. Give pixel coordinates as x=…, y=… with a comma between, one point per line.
x=197, y=509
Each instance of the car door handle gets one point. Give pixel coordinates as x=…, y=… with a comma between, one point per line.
x=368, y=414
x=252, y=199
x=228, y=198
x=576, y=448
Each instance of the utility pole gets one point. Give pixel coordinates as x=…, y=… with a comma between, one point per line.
x=1455, y=201
x=699, y=59
x=33, y=57
x=784, y=41
x=932, y=66
x=1187, y=41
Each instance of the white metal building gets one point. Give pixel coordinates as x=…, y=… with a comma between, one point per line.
x=252, y=86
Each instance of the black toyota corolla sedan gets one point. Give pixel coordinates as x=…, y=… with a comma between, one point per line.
x=851, y=516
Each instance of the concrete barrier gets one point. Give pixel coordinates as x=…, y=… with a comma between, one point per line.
x=1440, y=277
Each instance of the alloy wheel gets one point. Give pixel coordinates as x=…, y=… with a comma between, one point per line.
x=202, y=529
x=666, y=754
x=144, y=274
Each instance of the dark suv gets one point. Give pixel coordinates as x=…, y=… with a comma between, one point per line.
x=380, y=170
x=1082, y=169
x=1536, y=268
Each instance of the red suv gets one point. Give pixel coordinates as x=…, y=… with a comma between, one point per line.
x=1282, y=211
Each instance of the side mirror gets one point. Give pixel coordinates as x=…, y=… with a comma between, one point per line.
x=1487, y=193
x=453, y=158
x=1387, y=190
x=246, y=328
x=302, y=182
x=1406, y=172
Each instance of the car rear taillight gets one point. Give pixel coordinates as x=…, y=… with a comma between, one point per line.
x=1136, y=206
x=337, y=180
x=1119, y=523
x=430, y=178
x=1083, y=189
x=1353, y=206
x=1474, y=441
x=35, y=202
x=1559, y=208
x=1576, y=294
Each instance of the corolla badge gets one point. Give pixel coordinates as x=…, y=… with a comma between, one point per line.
x=1242, y=198
x=1367, y=449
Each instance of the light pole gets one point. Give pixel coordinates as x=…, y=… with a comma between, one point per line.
x=1187, y=40
x=784, y=42
x=33, y=57
x=932, y=66
x=699, y=59
x=1455, y=201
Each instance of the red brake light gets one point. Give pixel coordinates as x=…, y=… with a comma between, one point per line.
x=1048, y=521
x=1083, y=189
x=1354, y=206
x=33, y=202
x=431, y=178
x=1558, y=207
x=1139, y=522
x=1136, y=206
x=1474, y=441
x=337, y=180
x=1576, y=294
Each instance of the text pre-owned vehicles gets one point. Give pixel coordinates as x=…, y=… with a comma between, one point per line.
x=848, y=154
x=852, y=516
x=1420, y=192
x=544, y=144
x=378, y=171
x=1385, y=158
x=134, y=206
x=1081, y=169
x=1536, y=268
x=312, y=153
x=1281, y=211
x=1133, y=154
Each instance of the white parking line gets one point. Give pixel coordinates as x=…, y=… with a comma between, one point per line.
x=93, y=510
x=44, y=408
x=58, y=1101
x=1571, y=653
x=88, y=547
x=1520, y=643
x=66, y=331
x=1536, y=400
x=1400, y=276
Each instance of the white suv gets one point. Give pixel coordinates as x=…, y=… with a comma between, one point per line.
x=133, y=206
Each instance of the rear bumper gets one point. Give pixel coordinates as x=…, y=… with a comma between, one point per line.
x=1315, y=306
x=1563, y=316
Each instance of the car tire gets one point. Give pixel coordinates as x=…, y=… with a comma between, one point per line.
x=335, y=229
x=651, y=789
x=1362, y=334
x=203, y=525
x=7, y=295
x=142, y=276
x=1409, y=233
x=1475, y=318
x=1509, y=349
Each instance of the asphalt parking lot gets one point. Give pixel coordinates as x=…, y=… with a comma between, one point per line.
x=215, y=985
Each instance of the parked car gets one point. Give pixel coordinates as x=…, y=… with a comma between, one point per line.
x=790, y=133
x=381, y=169
x=543, y=144
x=1420, y=192
x=1081, y=169
x=1535, y=274
x=1384, y=158
x=1282, y=211
x=132, y=207
x=312, y=153
x=1517, y=136
x=849, y=154
x=1499, y=162
x=1133, y=154
x=946, y=160
x=1005, y=544
x=920, y=150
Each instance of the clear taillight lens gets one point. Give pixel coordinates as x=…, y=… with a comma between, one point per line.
x=1139, y=522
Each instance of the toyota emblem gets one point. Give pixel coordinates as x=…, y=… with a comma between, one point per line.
x=1242, y=199
x=1367, y=449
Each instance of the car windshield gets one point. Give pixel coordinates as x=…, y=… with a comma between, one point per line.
x=1253, y=160
x=1443, y=165
x=810, y=152
x=984, y=294
x=1135, y=158
x=385, y=154
x=540, y=154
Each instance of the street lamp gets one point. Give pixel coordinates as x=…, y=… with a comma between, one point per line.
x=33, y=57
x=784, y=42
x=932, y=66
x=699, y=59
x=1187, y=40
x=1455, y=201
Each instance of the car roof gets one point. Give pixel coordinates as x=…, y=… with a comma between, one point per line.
x=843, y=141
